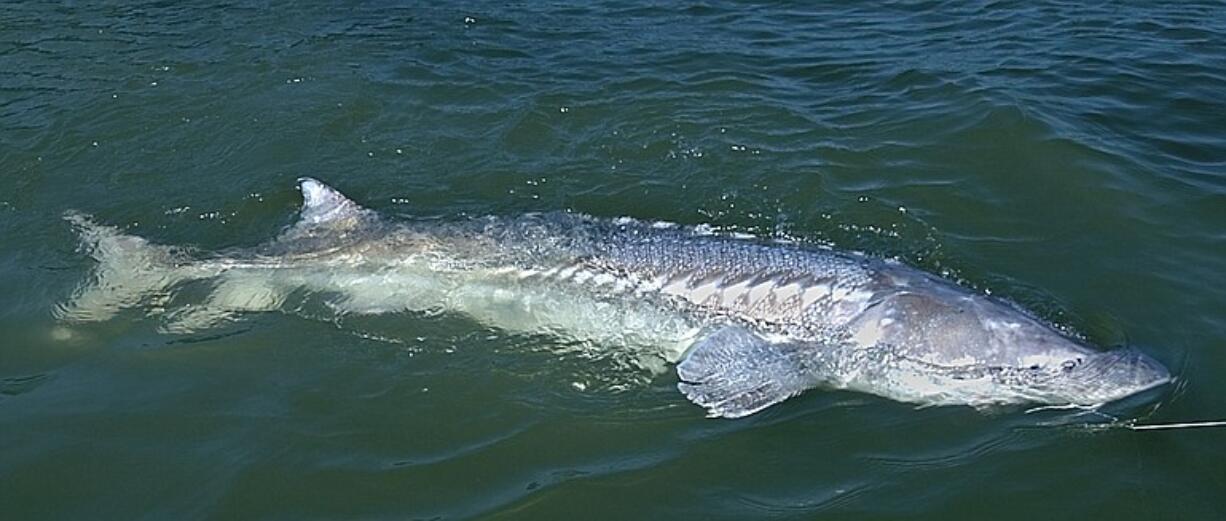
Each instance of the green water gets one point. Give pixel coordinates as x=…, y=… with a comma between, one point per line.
x=1072, y=159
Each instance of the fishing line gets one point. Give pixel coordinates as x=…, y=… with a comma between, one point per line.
x=1184, y=425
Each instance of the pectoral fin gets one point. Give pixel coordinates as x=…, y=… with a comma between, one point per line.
x=734, y=373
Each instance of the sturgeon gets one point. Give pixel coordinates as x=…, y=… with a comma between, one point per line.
x=748, y=323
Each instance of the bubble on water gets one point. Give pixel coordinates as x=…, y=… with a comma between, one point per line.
x=468, y=20
x=564, y=109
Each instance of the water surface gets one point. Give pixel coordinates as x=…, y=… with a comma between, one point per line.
x=1070, y=158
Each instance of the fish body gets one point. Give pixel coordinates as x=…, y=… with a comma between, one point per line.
x=747, y=323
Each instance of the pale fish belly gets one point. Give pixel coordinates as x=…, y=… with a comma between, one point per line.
x=578, y=304
x=583, y=309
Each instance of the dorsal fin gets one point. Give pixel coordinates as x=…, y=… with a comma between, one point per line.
x=322, y=204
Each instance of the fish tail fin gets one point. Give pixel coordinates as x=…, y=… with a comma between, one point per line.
x=129, y=271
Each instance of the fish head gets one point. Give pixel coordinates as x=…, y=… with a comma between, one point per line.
x=1027, y=359
x=1101, y=377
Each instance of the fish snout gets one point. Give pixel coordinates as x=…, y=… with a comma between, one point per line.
x=1110, y=376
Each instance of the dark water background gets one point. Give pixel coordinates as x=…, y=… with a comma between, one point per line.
x=1069, y=157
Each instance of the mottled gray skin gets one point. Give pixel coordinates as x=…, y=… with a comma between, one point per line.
x=846, y=320
x=750, y=322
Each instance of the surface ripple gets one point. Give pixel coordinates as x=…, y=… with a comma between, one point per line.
x=1069, y=157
